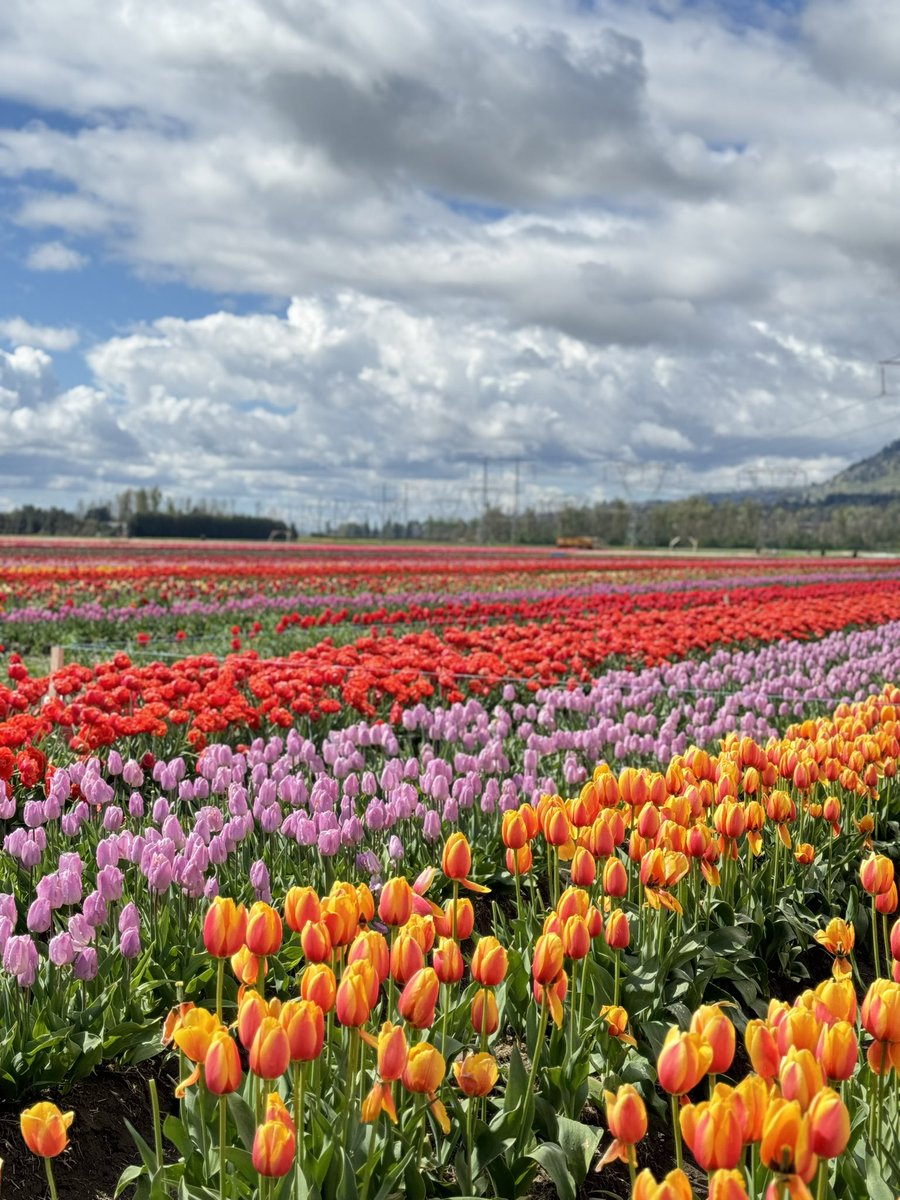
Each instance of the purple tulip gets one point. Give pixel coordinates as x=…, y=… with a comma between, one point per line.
x=84, y=965
x=40, y=916
x=130, y=943
x=96, y=911
x=259, y=881
x=62, y=950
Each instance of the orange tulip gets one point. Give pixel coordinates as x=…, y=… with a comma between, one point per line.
x=714, y=1131
x=45, y=1129
x=583, y=868
x=616, y=1019
x=476, y=1074
x=316, y=941
x=424, y=1070
x=615, y=878
x=513, y=830
x=753, y=1092
x=877, y=874
x=270, y=1052
x=800, y=1028
x=222, y=1069
x=317, y=983
x=301, y=904
x=718, y=1032
x=396, y=901
x=194, y=1036
x=800, y=1076
x=519, y=862
x=576, y=938
x=448, y=961
x=465, y=920
x=617, y=933
x=837, y=937
x=555, y=991
x=174, y=1020
x=675, y=1186
x=574, y=901
x=836, y=1000
x=274, y=1147
x=304, y=1023
x=224, y=927
x=340, y=912
x=683, y=1061
x=247, y=966
x=547, y=961
x=370, y=946
x=785, y=1143
x=489, y=962
x=895, y=940
x=366, y=902
x=485, y=1015
x=762, y=1048
x=353, y=1002
x=407, y=957
x=626, y=1114
x=880, y=1013
x=392, y=1050
x=264, y=930
x=251, y=1010
x=727, y=1185
x=829, y=1124
x=838, y=1050
x=456, y=860
x=418, y=999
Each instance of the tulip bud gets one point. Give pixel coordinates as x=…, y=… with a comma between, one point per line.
x=316, y=941
x=304, y=1023
x=829, y=1124
x=224, y=928
x=626, y=1114
x=617, y=931
x=354, y=1000
x=222, y=1069
x=301, y=904
x=318, y=984
x=270, y=1052
x=485, y=1016
x=718, y=1032
x=576, y=938
x=263, y=930
x=274, y=1146
x=418, y=1000
x=448, y=961
x=489, y=962
x=476, y=1074
x=456, y=860
x=45, y=1129
x=838, y=1050
x=727, y=1185
x=396, y=902
x=425, y=1069
x=683, y=1061
x=547, y=961
x=762, y=1048
x=583, y=868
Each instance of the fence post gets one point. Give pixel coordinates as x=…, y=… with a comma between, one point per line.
x=57, y=659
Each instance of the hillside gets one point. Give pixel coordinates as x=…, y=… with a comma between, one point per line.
x=878, y=475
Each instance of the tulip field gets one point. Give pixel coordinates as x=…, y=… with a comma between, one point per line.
x=449, y=872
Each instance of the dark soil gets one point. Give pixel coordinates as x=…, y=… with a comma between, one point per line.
x=100, y=1147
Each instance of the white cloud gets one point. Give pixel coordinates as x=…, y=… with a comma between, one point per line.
x=623, y=233
x=49, y=337
x=55, y=256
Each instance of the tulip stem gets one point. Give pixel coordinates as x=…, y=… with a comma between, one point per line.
x=617, y=956
x=220, y=986
x=679, y=1157
x=875, y=939
x=223, y=1118
x=157, y=1127
x=50, y=1180
x=823, y=1174
x=535, y=1058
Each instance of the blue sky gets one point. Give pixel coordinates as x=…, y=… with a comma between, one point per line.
x=296, y=257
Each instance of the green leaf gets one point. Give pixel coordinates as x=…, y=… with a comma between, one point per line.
x=877, y=1188
x=579, y=1144
x=243, y=1119
x=553, y=1160
x=518, y=1080
x=175, y=1132
x=128, y=1176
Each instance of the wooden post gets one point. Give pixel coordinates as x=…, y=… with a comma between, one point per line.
x=57, y=659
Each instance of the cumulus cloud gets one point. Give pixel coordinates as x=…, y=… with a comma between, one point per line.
x=628, y=244
x=49, y=337
x=55, y=256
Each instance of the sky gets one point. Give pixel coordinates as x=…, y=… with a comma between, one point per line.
x=374, y=259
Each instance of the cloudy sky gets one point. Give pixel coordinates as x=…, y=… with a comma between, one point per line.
x=322, y=257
